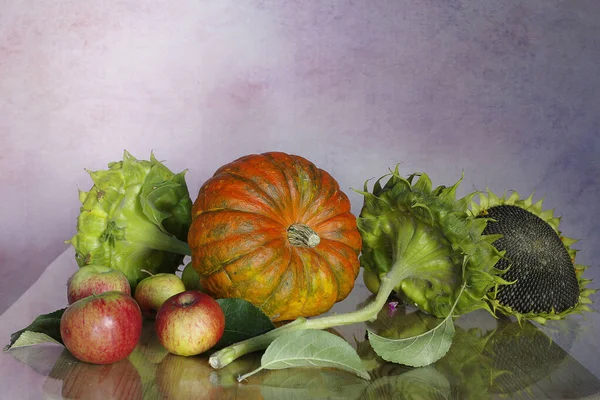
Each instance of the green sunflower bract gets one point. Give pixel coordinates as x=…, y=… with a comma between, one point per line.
x=439, y=244
x=135, y=217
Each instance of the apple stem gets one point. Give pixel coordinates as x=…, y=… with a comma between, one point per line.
x=146, y=271
x=231, y=353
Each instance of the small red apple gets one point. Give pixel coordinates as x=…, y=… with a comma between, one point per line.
x=95, y=279
x=102, y=329
x=189, y=323
x=154, y=290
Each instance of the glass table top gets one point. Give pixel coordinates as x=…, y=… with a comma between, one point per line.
x=489, y=359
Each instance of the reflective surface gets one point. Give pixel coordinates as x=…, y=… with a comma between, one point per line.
x=488, y=359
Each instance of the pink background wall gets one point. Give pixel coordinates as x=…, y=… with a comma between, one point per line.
x=509, y=94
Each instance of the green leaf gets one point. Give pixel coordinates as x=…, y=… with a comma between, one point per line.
x=310, y=348
x=243, y=320
x=45, y=328
x=29, y=338
x=416, y=351
x=157, y=199
x=419, y=350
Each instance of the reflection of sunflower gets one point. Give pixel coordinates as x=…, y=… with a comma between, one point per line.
x=539, y=260
x=521, y=355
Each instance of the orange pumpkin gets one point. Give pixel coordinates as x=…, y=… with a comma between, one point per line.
x=277, y=231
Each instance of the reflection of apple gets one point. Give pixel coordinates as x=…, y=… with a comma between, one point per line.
x=190, y=278
x=71, y=379
x=149, y=344
x=153, y=290
x=102, y=329
x=190, y=323
x=95, y=279
x=187, y=378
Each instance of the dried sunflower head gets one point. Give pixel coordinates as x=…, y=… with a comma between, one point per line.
x=538, y=259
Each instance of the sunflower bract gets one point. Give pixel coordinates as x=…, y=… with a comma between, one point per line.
x=431, y=234
x=135, y=217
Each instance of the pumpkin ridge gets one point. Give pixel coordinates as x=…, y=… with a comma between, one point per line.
x=330, y=183
x=236, y=284
x=236, y=210
x=280, y=264
x=228, y=277
x=340, y=243
x=339, y=234
x=311, y=292
x=305, y=209
x=341, y=256
x=281, y=282
x=253, y=278
x=233, y=239
x=205, y=277
x=287, y=178
x=225, y=264
x=306, y=278
x=324, y=262
x=317, y=215
x=317, y=190
x=230, y=237
x=271, y=201
x=315, y=226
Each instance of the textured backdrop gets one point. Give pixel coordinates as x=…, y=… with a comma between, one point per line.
x=506, y=92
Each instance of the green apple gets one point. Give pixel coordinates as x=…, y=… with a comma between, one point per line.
x=190, y=278
x=153, y=290
x=189, y=323
x=95, y=279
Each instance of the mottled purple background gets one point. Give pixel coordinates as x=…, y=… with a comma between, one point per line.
x=508, y=92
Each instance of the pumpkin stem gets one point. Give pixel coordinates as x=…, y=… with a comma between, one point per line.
x=302, y=236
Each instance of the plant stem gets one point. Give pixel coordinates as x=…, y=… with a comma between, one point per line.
x=170, y=243
x=389, y=281
x=154, y=238
x=179, y=247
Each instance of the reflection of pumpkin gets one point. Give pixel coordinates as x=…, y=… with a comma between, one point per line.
x=277, y=231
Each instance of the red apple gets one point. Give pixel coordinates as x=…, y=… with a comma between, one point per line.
x=95, y=279
x=103, y=328
x=154, y=290
x=189, y=323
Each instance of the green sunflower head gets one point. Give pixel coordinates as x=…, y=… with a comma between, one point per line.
x=539, y=261
x=429, y=234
